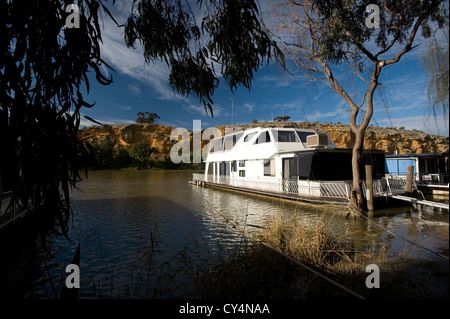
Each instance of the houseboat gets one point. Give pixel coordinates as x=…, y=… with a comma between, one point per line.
x=431, y=170
x=290, y=163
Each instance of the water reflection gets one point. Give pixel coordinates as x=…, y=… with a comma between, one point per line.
x=143, y=233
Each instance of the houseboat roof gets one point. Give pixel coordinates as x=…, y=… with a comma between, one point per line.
x=260, y=143
x=416, y=155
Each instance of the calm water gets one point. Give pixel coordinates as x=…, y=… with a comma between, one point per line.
x=143, y=234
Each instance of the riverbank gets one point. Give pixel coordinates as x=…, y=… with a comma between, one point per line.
x=262, y=273
x=292, y=260
x=390, y=139
x=149, y=234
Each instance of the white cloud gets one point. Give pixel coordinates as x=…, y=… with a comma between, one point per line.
x=134, y=89
x=131, y=62
x=249, y=107
x=191, y=108
x=126, y=107
x=86, y=123
x=200, y=109
x=429, y=124
x=339, y=113
x=274, y=81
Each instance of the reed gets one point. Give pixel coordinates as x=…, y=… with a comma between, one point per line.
x=255, y=271
x=317, y=245
x=309, y=243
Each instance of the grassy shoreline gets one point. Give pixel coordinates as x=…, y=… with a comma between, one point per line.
x=256, y=271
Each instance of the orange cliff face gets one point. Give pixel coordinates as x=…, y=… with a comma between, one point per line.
x=125, y=135
x=158, y=136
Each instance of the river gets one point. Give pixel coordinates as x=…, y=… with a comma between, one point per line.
x=144, y=233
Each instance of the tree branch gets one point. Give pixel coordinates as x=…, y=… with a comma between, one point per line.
x=408, y=46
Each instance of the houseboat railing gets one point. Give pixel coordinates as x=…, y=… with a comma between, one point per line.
x=336, y=189
x=306, y=188
x=380, y=187
x=398, y=186
x=438, y=178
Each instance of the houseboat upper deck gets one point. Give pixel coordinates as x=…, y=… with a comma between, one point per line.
x=289, y=162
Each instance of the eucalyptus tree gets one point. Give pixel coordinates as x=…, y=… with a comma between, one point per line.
x=331, y=40
x=435, y=60
x=202, y=41
x=146, y=117
x=48, y=47
x=45, y=58
x=141, y=151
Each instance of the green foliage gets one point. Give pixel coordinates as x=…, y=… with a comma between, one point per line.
x=122, y=158
x=146, y=117
x=43, y=70
x=344, y=32
x=229, y=34
x=327, y=36
x=435, y=60
x=108, y=155
x=141, y=151
x=105, y=152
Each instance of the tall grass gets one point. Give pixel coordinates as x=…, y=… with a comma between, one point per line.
x=315, y=244
x=256, y=271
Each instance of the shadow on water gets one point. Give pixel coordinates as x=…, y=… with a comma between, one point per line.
x=132, y=247
x=22, y=256
x=138, y=246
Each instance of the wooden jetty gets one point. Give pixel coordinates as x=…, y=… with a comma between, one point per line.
x=424, y=202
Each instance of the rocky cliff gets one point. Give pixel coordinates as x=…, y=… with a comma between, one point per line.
x=158, y=137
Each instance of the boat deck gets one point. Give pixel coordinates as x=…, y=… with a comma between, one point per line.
x=290, y=196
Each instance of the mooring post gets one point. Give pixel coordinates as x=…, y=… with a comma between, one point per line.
x=369, y=187
x=409, y=178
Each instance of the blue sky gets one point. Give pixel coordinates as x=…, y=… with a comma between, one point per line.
x=141, y=87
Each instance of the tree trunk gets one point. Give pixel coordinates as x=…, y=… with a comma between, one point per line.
x=357, y=202
x=357, y=199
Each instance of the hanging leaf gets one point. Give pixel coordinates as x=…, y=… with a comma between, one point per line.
x=92, y=120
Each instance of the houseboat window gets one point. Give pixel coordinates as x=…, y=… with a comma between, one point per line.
x=231, y=140
x=242, y=173
x=241, y=163
x=248, y=137
x=269, y=167
x=303, y=135
x=264, y=137
x=287, y=137
x=216, y=145
x=234, y=166
x=236, y=137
